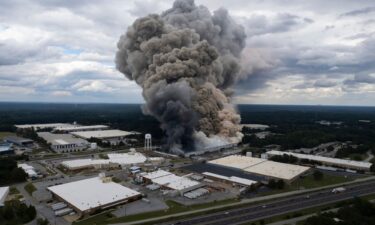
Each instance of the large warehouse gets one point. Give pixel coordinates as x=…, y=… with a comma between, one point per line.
x=78, y=128
x=114, y=137
x=37, y=127
x=89, y=195
x=327, y=161
x=261, y=167
x=114, y=160
x=64, y=142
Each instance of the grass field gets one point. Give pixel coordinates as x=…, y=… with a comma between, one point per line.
x=174, y=207
x=5, y=134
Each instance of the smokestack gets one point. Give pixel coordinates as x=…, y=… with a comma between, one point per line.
x=186, y=60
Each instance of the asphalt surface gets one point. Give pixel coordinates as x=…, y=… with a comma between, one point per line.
x=278, y=207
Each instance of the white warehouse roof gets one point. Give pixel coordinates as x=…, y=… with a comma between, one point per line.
x=351, y=163
x=92, y=193
x=44, y=125
x=277, y=170
x=81, y=128
x=102, y=134
x=237, y=161
x=170, y=180
x=127, y=158
x=234, y=179
x=122, y=159
x=156, y=174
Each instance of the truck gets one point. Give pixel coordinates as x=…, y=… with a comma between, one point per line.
x=338, y=190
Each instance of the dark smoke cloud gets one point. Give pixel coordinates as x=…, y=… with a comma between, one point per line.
x=186, y=60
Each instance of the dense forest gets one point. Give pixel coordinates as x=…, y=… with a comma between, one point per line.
x=294, y=126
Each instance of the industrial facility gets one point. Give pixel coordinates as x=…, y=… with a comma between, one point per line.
x=29, y=170
x=327, y=161
x=89, y=195
x=79, y=128
x=37, y=127
x=63, y=143
x=262, y=167
x=19, y=141
x=114, y=160
x=113, y=137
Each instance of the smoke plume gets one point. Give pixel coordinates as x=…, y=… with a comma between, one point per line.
x=186, y=60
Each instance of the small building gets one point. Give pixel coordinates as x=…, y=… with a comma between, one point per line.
x=6, y=148
x=90, y=195
x=29, y=170
x=4, y=191
x=64, y=142
x=113, y=137
x=19, y=141
x=170, y=181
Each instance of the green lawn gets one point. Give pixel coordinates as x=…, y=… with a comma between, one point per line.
x=30, y=188
x=174, y=207
x=6, y=134
x=310, y=182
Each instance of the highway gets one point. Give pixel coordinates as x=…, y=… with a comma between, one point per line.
x=278, y=207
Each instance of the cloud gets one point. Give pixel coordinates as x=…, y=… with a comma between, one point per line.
x=295, y=52
x=359, y=12
x=258, y=24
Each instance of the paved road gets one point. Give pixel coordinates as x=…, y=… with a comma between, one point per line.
x=260, y=211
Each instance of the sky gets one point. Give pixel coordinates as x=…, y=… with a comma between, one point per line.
x=299, y=52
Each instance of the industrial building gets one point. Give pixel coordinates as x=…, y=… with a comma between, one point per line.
x=79, y=128
x=19, y=141
x=327, y=161
x=6, y=148
x=170, y=181
x=113, y=137
x=89, y=195
x=64, y=142
x=263, y=168
x=114, y=160
x=4, y=191
x=238, y=181
x=37, y=127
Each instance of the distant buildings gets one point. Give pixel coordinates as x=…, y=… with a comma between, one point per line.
x=62, y=143
x=327, y=161
x=79, y=128
x=89, y=195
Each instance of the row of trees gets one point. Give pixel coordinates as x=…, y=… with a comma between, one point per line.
x=9, y=172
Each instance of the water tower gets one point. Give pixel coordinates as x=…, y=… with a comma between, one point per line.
x=148, y=143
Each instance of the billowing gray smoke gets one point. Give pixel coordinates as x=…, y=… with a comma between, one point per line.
x=186, y=60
